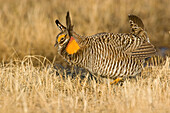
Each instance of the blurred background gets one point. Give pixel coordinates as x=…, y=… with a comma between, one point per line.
x=27, y=27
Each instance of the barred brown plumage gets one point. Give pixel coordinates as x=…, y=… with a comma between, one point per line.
x=106, y=54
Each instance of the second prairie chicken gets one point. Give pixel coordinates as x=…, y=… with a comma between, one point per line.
x=115, y=56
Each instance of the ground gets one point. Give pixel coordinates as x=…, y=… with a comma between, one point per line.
x=37, y=89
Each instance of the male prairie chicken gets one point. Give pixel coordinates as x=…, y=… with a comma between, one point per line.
x=115, y=56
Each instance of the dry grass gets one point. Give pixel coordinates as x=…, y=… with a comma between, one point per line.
x=30, y=84
x=25, y=88
x=27, y=26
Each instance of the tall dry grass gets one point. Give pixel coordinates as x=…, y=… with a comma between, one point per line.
x=27, y=26
x=25, y=88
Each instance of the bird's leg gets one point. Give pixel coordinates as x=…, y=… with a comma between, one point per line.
x=116, y=81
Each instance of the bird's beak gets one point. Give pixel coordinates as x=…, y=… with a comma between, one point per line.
x=55, y=44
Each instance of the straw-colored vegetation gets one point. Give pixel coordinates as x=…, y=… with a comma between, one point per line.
x=29, y=83
x=28, y=26
x=26, y=88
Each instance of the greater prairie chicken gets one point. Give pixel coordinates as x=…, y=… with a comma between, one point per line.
x=115, y=56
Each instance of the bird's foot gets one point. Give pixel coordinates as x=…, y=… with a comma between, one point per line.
x=116, y=81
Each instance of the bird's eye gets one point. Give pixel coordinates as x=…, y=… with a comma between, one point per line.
x=61, y=38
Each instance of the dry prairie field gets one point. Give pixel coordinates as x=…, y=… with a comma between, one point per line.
x=29, y=81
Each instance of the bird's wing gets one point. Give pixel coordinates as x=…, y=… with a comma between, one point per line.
x=144, y=50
